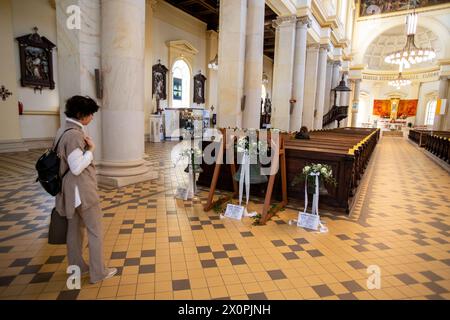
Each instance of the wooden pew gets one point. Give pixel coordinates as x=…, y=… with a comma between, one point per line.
x=439, y=145
x=346, y=150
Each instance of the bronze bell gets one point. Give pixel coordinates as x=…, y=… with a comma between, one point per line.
x=255, y=174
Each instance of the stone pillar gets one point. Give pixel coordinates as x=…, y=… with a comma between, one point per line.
x=10, y=133
x=148, y=106
x=328, y=87
x=254, y=52
x=283, y=71
x=212, y=43
x=312, y=60
x=446, y=124
x=123, y=46
x=303, y=23
x=439, y=120
x=356, y=93
x=320, y=91
x=335, y=78
x=78, y=56
x=232, y=25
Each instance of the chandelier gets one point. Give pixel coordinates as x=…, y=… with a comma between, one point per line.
x=410, y=54
x=399, y=82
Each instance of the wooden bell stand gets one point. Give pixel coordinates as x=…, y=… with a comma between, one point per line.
x=280, y=160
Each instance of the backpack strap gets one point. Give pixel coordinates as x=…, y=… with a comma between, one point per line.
x=59, y=140
x=56, y=149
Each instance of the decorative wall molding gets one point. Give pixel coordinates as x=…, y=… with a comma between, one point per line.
x=41, y=113
x=284, y=21
x=12, y=146
x=423, y=75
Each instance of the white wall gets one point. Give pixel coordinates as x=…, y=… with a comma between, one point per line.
x=26, y=15
x=170, y=24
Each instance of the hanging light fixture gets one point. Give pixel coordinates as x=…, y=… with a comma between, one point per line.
x=399, y=82
x=410, y=54
x=214, y=64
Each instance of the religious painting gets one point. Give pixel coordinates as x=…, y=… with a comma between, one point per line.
x=382, y=108
x=199, y=88
x=177, y=89
x=36, y=61
x=407, y=108
x=159, y=88
x=371, y=7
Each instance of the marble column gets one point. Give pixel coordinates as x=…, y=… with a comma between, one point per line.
x=439, y=120
x=123, y=46
x=212, y=43
x=149, y=108
x=312, y=60
x=328, y=87
x=298, y=89
x=356, y=92
x=78, y=56
x=335, y=78
x=10, y=133
x=283, y=71
x=254, y=52
x=321, y=82
x=232, y=25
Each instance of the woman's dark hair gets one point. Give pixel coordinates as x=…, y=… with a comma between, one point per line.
x=78, y=107
x=303, y=129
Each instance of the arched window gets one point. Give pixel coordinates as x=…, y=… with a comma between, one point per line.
x=181, y=84
x=430, y=113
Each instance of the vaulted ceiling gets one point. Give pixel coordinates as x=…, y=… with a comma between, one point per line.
x=208, y=12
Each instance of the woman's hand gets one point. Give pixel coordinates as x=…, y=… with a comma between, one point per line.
x=90, y=143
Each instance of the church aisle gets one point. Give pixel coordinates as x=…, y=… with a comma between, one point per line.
x=171, y=249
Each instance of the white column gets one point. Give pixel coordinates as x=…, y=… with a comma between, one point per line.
x=320, y=91
x=233, y=14
x=123, y=46
x=254, y=52
x=439, y=120
x=212, y=43
x=312, y=60
x=283, y=71
x=356, y=93
x=328, y=87
x=78, y=56
x=446, y=124
x=303, y=23
x=10, y=133
x=148, y=106
x=335, y=78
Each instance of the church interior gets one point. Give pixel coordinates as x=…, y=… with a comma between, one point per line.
x=350, y=98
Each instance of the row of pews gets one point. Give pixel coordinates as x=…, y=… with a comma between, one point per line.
x=436, y=142
x=346, y=150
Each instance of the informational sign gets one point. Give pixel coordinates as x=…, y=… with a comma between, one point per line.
x=182, y=193
x=234, y=211
x=308, y=221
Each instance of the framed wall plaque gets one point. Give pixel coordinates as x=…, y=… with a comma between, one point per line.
x=199, y=88
x=159, y=85
x=36, y=61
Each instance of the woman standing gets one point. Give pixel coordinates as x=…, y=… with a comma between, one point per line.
x=78, y=199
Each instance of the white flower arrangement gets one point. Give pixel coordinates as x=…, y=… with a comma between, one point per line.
x=309, y=171
x=187, y=153
x=252, y=148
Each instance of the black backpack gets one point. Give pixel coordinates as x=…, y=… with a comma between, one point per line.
x=48, y=170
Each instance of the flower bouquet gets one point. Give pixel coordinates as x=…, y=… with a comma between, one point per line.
x=194, y=156
x=309, y=173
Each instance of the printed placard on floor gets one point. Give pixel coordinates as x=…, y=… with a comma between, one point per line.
x=308, y=221
x=234, y=211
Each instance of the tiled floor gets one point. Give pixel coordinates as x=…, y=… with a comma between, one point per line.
x=171, y=249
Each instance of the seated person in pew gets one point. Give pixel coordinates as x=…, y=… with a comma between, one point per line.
x=302, y=134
